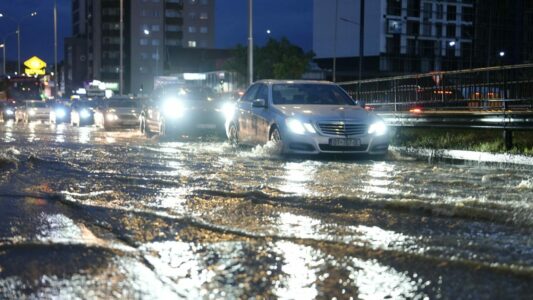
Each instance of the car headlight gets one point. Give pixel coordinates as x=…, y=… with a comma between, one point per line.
x=111, y=116
x=84, y=114
x=60, y=113
x=9, y=112
x=298, y=127
x=173, y=108
x=378, y=128
x=32, y=112
x=228, y=110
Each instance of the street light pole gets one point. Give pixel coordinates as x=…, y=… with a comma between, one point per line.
x=3, y=46
x=18, y=48
x=335, y=41
x=56, y=75
x=361, y=42
x=121, y=56
x=250, y=43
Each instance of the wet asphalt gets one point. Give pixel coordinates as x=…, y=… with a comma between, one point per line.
x=89, y=214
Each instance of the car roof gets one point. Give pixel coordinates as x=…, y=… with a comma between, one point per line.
x=298, y=81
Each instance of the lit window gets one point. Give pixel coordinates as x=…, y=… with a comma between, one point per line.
x=192, y=29
x=192, y=44
x=155, y=27
x=203, y=29
x=155, y=42
x=143, y=42
x=204, y=16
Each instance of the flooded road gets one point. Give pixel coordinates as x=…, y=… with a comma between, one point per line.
x=92, y=214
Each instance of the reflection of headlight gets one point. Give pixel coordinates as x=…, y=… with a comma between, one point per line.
x=378, y=128
x=173, y=108
x=111, y=116
x=31, y=112
x=298, y=127
x=84, y=114
x=228, y=110
x=60, y=113
x=9, y=111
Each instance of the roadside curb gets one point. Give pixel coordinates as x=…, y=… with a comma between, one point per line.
x=464, y=156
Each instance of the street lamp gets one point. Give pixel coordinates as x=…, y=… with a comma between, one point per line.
x=18, y=22
x=4, y=46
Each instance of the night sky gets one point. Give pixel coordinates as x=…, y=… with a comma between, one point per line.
x=289, y=18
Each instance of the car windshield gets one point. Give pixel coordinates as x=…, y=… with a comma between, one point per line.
x=87, y=104
x=36, y=104
x=310, y=94
x=121, y=103
x=196, y=94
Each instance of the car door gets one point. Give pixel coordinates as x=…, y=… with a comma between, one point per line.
x=244, y=115
x=260, y=116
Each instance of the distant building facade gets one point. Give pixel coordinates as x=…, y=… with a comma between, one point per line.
x=400, y=36
x=153, y=31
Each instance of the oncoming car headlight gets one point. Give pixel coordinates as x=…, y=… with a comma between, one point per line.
x=298, y=127
x=9, y=112
x=228, y=110
x=32, y=112
x=60, y=113
x=84, y=113
x=378, y=128
x=173, y=108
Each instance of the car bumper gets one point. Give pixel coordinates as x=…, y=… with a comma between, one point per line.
x=318, y=144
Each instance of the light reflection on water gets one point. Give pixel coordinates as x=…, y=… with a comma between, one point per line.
x=60, y=133
x=298, y=177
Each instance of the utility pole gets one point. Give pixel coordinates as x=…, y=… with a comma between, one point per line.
x=335, y=41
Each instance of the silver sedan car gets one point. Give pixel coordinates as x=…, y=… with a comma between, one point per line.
x=306, y=117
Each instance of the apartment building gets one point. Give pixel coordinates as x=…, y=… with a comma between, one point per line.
x=153, y=33
x=400, y=36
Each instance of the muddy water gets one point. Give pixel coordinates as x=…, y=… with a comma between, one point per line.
x=92, y=214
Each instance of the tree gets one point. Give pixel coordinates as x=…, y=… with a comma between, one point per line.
x=276, y=60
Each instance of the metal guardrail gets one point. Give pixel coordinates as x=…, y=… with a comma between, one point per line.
x=495, y=98
x=500, y=88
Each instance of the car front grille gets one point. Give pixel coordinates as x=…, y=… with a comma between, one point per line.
x=342, y=128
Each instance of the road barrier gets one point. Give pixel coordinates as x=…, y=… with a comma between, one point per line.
x=495, y=97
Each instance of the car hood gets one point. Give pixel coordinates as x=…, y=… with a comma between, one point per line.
x=318, y=113
x=123, y=110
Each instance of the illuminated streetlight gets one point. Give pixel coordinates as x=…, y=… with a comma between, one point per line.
x=451, y=43
x=502, y=53
x=18, y=22
x=3, y=46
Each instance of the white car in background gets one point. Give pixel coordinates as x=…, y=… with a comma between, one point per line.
x=32, y=110
x=306, y=117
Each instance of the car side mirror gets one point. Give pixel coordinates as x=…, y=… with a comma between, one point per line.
x=259, y=103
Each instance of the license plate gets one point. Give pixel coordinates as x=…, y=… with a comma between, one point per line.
x=345, y=142
x=206, y=126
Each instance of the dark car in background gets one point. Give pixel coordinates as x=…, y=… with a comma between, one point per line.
x=184, y=111
x=7, y=111
x=33, y=110
x=117, y=112
x=82, y=112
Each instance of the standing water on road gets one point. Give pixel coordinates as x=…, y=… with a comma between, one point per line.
x=93, y=214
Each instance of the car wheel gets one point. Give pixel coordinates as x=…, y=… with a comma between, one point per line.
x=275, y=138
x=233, y=134
x=163, y=128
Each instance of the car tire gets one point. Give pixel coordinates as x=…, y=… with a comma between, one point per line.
x=163, y=128
x=275, y=137
x=233, y=135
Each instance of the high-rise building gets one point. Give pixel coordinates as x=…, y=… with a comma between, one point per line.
x=154, y=32
x=400, y=36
